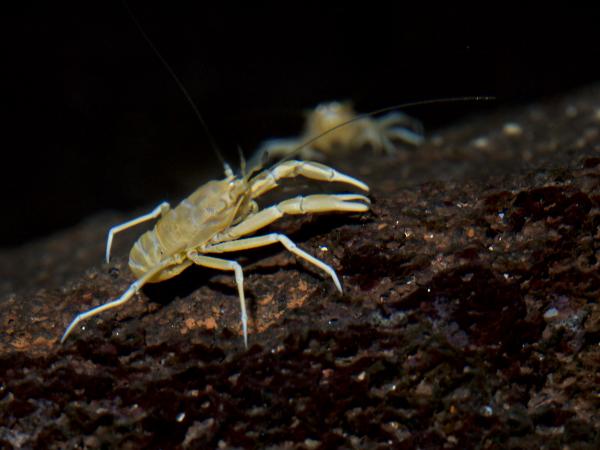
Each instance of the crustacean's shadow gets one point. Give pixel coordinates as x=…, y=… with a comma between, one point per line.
x=195, y=277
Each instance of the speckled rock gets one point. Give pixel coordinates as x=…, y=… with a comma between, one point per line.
x=470, y=317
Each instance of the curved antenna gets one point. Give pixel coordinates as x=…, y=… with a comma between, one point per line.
x=182, y=88
x=258, y=160
x=382, y=110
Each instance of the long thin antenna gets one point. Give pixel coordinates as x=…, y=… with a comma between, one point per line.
x=389, y=108
x=182, y=88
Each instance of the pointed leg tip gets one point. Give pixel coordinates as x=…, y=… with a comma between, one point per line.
x=359, y=184
x=245, y=331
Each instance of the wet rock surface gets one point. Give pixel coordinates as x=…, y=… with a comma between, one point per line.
x=470, y=315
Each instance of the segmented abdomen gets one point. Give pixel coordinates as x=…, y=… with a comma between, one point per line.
x=145, y=254
x=166, y=239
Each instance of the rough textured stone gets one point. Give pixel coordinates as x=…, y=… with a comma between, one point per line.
x=470, y=316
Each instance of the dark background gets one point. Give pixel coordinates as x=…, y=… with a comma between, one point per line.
x=94, y=121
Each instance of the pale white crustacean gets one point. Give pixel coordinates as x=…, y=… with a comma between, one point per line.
x=218, y=218
x=340, y=130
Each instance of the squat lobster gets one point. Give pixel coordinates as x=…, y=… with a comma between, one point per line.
x=215, y=219
x=325, y=122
